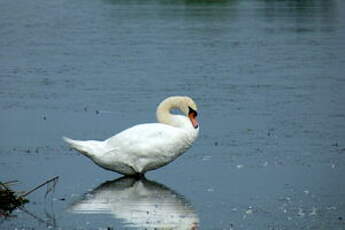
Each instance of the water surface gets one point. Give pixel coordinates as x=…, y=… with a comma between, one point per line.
x=268, y=77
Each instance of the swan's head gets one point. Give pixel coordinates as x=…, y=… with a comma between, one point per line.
x=185, y=104
x=189, y=108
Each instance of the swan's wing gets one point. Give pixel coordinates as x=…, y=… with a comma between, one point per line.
x=149, y=139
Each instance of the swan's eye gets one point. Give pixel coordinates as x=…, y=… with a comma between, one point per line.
x=192, y=111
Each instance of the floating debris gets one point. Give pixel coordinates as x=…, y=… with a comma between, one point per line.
x=249, y=211
x=10, y=200
x=335, y=144
x=239, y=166
x=206, y=158
x=300, y=212
x=313, y=212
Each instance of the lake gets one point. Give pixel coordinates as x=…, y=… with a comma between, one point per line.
x=268, y=78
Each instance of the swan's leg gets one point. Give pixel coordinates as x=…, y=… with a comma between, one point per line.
x=139, y=176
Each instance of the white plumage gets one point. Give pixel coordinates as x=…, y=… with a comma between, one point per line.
x=145, y=147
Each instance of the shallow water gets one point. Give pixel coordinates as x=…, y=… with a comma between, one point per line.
x=268, y=77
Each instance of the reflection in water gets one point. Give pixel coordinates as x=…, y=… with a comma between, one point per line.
x=139, y=203
x=313, y=13
x=297, y=17
x=173, y=2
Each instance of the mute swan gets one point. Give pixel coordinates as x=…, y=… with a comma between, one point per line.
x=146, y=147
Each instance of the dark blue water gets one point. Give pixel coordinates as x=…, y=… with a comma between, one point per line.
x=268, y=78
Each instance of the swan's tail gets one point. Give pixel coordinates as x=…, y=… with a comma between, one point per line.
x=85, y=147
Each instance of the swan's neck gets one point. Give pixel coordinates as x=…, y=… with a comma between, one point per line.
x=163, y=111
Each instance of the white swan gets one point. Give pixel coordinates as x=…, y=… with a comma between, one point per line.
x=146, y=147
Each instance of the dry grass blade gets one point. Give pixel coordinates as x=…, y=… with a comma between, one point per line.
x=10, y=200
x=53, y=180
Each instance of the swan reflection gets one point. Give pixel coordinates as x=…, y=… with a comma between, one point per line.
x=139, y=203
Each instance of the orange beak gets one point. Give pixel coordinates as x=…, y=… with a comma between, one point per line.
x=192, y=116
